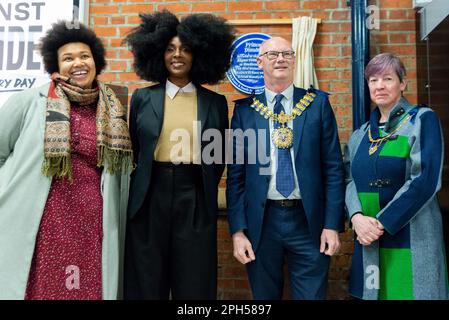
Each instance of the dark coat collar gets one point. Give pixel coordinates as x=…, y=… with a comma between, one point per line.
x=401, y=108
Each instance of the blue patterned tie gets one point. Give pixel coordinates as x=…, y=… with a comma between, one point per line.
x=285, y=182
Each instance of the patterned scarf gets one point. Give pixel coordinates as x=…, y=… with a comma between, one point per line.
x=113, y=140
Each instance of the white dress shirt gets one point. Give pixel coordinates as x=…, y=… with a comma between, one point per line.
x=171, y=89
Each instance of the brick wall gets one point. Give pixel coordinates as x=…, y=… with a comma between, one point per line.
x=113, y=19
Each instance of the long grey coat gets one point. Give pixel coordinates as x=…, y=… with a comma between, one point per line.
x=24, y=191
x=397, y=184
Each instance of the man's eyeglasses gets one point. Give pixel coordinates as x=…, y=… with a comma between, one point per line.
x=272, y=55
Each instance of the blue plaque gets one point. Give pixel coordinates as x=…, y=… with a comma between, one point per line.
x=244, y=74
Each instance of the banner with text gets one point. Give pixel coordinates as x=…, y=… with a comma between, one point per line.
x=22, y=24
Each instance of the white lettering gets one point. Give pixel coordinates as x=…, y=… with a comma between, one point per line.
x=372, y=281
x=73, y=280
x=373, y=20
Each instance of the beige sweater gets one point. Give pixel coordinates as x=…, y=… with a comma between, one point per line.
x=178, y=141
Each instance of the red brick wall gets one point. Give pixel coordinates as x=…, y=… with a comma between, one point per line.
x=397, y=35
x=113, y=19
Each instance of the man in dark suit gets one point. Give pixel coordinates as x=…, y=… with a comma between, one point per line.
x=171, y=248
x=290, y=206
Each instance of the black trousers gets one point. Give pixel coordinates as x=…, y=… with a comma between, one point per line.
x=171, y=245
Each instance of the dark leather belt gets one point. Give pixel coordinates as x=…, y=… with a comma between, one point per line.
x=288, y=203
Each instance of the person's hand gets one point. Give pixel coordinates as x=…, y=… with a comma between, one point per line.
x=380, y=225
x=330, y=242
x=368, y=229
x=243, y=250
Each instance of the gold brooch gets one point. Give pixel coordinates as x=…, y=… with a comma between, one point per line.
x=282, y=118
x=282, y=137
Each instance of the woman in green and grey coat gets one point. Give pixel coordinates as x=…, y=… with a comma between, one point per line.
x=394, y=164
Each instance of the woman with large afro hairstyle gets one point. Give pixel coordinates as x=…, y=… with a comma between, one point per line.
x=208, y=37
x=171, y=245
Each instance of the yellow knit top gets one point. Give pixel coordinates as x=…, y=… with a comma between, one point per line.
x=178, y=141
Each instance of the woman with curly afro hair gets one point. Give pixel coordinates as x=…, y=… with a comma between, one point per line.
x=171, y=248
x=65, y=160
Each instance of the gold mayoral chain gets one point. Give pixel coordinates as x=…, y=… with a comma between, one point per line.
x=283, y=136
x=376, y=143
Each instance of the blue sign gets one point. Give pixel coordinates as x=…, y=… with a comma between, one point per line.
x=244, y=74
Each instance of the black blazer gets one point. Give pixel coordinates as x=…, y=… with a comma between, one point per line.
x=146, y=117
